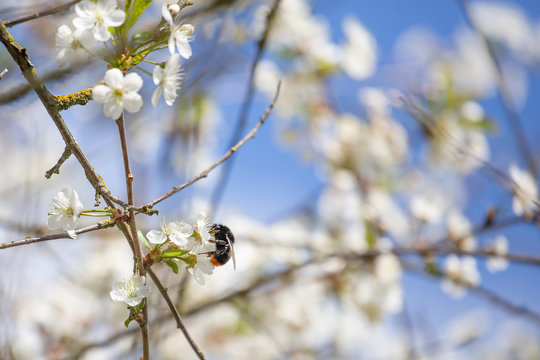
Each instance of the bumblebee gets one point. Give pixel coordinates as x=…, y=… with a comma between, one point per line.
x=224, y=239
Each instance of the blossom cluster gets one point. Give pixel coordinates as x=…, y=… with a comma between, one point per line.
x=93, y=22
x=196, y=244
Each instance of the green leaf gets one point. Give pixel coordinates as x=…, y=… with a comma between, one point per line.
x=141, y=38
x=143, y=239
x=139, y=6
x=172, y=265
x=138, y=308
x=173, y=253
x=128, y=320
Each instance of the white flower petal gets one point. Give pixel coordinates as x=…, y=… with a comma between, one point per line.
x=157, y=75
x=116, y=18
x=132, y=82
x=101, y=93
x=156, y=237
x=184, y=48
x=112, y=110
x=156, y=95
x=114, y=78
x=132, y=102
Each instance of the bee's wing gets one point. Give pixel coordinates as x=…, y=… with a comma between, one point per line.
x=232, y=251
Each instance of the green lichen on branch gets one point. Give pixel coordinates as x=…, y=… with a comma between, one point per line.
x=79, y=98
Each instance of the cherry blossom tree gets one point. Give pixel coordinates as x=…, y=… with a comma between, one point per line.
x=422, y=198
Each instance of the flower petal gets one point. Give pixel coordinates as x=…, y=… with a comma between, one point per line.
x=112, y=109
x=116, y=18
x=114, y=78
x=156, y=95
x=156, y=237
x=132, y=102
x=101, y=93
x=132, y=82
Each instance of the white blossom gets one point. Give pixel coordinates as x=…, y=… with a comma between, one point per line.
x=97, y=17
x=427, y=207
x=66, y=210
x=119, y=93
x=168, y=9
x=460, y=273
x=360, y=51
x=131, y=291
x=376, y=299
x=460, y=230
x=168, y=81
x=517, y=32
x=525, y=192
x=203, y=266
x=178, y=233
x=387, y=269
x=203, y=228
x=71, y=47
x=180, y=38
x=499, y=248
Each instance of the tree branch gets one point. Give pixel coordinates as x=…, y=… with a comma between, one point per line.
x=227, y=155
x=39, y=14
x=134, y=236
x=179, y=323
x=62, y=235
x=20, y=55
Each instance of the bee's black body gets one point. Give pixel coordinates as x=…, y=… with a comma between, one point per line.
x=224, y=244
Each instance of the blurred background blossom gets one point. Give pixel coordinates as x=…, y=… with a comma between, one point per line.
x=394, y=132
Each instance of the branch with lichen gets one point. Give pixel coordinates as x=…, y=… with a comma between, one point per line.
x=21, y=58
x=78, y=98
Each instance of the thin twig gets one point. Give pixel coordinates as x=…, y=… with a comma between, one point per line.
x=134, y=236
x=62, y=235
x=43, y=13
x=176, y=314
x=4, y=72
x=244, y=111
x=227, y=155
x=56, y=168
x=509, y=106
x=489, y=295
x=22, y=89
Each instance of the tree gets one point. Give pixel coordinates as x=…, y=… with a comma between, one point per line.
x=419, y=182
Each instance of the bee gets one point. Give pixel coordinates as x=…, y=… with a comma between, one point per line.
x=224, y=239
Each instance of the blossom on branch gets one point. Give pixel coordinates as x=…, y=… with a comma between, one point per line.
x=359, y=59
x=168, y=81
x=131, y=291
x=168, y=9
x=499, y=248
x=119, y=93
x=206, y=241
x=460, y=273
x=178, y=233
x=525, y=192
x=66, y=210
x=202, y=266
x=180, y=38
x=71, y=46
x=97, y=17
